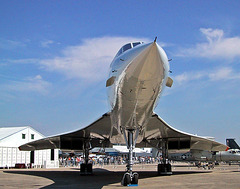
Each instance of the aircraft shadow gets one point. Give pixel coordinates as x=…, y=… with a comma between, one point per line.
x=100, y=177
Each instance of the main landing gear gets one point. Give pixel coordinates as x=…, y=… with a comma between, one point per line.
x=130, y=178
x=164, y=168
x=86, y=168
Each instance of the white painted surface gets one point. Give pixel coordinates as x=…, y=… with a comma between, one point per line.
x=11, y=138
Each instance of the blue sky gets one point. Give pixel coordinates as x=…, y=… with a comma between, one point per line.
x=55, y=56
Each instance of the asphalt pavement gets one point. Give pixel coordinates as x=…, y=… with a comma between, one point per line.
x=109, y=176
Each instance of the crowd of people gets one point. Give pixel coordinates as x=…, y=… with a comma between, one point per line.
x=75, y=161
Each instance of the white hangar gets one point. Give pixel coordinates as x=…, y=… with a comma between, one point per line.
x=12, y=137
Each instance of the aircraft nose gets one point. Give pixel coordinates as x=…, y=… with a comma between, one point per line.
x=149, y=64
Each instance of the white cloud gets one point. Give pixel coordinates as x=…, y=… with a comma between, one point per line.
x=10, y=44
x=219, y=74
x=212, y=35
x=21, y=61
x=217, y=45
x=89, y=60
x=182, y=78
x=186, y=77
x=31, y=84
x=225, y=73
x=47, y=43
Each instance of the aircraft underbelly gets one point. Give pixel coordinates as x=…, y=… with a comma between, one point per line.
x=136, y=89
x=139, y=89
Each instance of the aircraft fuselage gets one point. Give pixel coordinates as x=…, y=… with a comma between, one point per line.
x=136, y=80
x=197, y=155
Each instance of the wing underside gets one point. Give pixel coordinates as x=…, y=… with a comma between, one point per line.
x=96, y=135
x=158, y=130
x=99, y=132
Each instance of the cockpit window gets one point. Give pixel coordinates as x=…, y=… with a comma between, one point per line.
x=119, y=52
x=127, y=47
x=137, y=43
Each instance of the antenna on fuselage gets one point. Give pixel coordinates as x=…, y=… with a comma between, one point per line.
x=155, y=39
x=169, y=60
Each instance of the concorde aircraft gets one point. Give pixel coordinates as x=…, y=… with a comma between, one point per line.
x=138, y=75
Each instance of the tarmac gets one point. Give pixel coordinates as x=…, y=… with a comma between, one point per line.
x=109, y=176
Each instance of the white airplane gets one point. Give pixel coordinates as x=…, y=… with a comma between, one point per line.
x=138, y=75
x=231, y=155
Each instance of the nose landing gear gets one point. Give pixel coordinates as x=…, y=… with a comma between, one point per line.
x=130, y=178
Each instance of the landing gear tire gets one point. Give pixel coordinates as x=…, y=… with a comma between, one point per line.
x=134, y=178
x=86, y=169
x=126, y=179
x=164, y=169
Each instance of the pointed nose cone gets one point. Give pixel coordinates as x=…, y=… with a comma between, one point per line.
x=141, y=85
x=149, y=64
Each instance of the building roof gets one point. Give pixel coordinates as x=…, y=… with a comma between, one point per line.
x=8, y=131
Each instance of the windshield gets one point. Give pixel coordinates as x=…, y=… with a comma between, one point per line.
x=127, y=47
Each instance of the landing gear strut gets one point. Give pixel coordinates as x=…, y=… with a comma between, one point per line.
x=164, y=168
x=129, y=177
x=86, y=168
